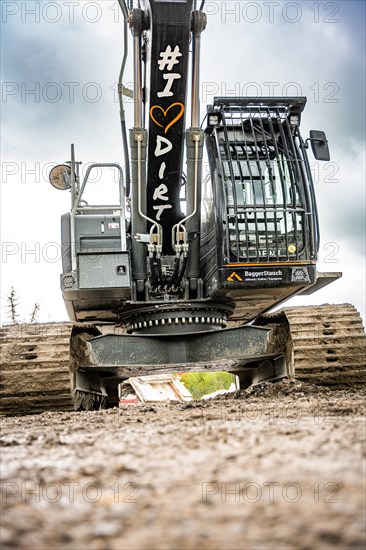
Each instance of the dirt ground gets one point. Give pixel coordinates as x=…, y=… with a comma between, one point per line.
x=278, y=467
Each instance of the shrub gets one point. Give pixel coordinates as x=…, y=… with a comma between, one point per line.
x=201, y=383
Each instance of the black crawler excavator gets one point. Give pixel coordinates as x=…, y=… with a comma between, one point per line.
x=182, y=271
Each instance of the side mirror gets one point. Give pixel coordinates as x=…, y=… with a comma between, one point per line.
x=60, y=176
x=319, y=145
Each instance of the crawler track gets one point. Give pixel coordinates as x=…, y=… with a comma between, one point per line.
x=329, y=345
x=34, y=368
x=326, y=344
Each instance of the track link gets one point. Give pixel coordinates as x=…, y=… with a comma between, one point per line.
x=34, y=368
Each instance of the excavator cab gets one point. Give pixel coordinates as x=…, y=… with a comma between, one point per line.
x=260, y=228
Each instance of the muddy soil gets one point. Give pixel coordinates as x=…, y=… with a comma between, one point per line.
x=278, y=467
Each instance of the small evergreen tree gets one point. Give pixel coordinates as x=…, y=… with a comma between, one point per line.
x=34, y=314
x=13, y=304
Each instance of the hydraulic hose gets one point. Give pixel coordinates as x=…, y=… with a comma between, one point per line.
x=153, y=273
x=181, y=274
x=174, y=276
x=120, y=97
x=160, y=272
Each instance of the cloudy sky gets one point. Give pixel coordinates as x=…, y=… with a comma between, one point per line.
x=60, y=63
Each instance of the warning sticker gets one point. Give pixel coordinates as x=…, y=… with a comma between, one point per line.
x=113, y=225
x=300, y=275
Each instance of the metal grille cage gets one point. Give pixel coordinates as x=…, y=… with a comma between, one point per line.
x=269, y=207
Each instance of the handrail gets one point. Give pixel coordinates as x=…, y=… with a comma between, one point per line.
x=77, y=207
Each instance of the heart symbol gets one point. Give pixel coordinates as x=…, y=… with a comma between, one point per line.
x=180, y=114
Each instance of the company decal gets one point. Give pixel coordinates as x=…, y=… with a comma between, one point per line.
x=234, y=277
x=271, y=277
x=264, y=275
x=167, y=51
x=165, y=119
